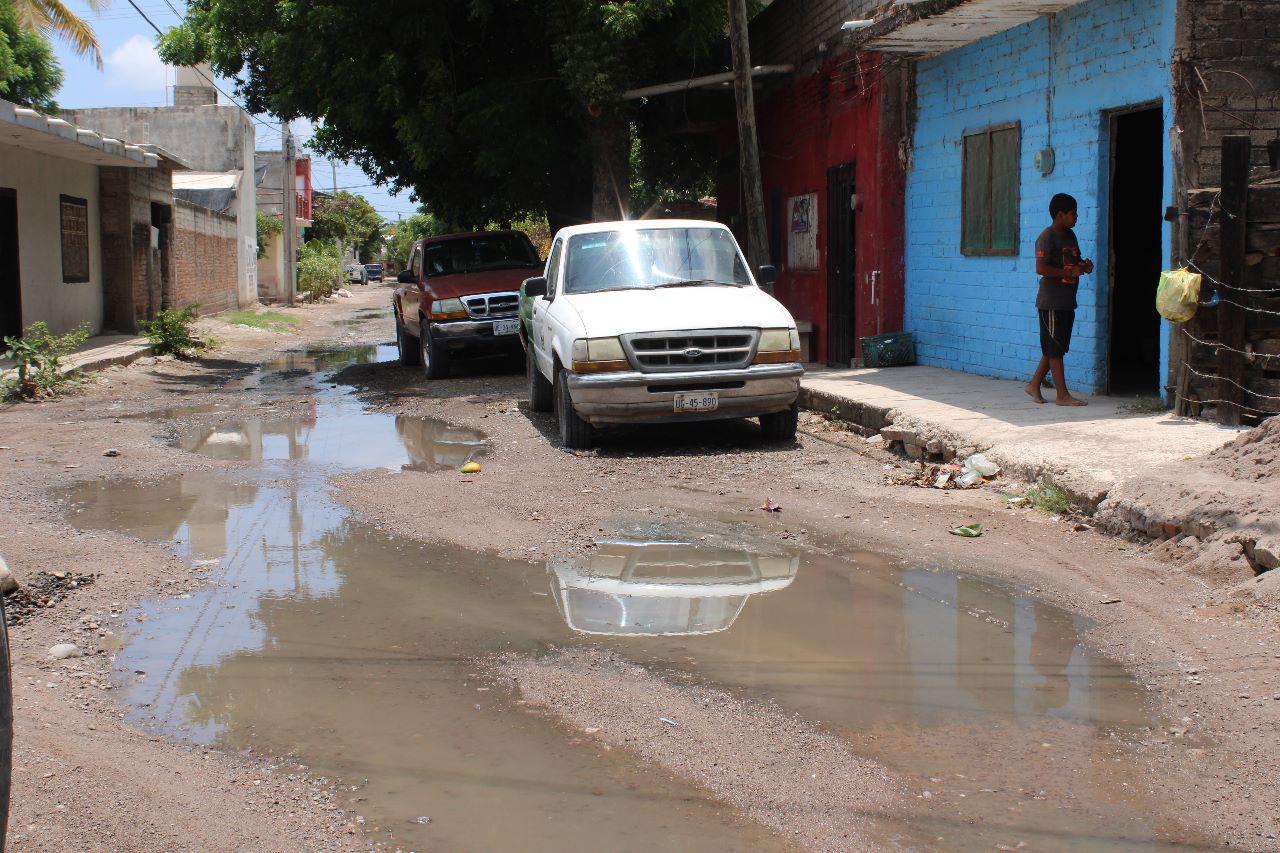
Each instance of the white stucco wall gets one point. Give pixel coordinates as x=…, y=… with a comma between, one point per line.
x=39, y=180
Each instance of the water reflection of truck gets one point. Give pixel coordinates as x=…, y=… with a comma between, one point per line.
x=654, y=589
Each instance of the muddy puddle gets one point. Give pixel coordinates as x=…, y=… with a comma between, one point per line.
x=352, y=650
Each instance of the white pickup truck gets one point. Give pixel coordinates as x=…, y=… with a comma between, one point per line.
x=656, y=321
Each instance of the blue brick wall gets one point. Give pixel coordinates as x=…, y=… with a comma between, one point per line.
x=977, y=314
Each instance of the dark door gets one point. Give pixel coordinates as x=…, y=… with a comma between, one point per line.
x=10, y=279
x=1136, y=252
x=840, y=265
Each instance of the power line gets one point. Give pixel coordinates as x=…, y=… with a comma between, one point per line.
x=206, y=77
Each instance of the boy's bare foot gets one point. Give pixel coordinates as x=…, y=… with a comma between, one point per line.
x=1033, y=391
x=1070, y=401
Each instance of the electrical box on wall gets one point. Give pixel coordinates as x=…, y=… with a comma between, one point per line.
x=1045, y=161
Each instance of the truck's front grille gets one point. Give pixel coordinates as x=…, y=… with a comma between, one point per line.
x=492, y=305
x=712, y=349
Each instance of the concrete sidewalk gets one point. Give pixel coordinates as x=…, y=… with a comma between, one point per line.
x=1088, y=450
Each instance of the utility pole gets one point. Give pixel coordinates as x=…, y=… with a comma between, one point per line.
x=748, y=146
x=289, y=192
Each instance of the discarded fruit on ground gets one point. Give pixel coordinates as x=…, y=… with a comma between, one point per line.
x=470, y=468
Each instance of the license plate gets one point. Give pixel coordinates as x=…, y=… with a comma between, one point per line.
x=506, y=327
x=702, y=401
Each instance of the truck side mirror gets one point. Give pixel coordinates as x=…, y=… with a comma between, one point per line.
x=405, y=277
x=534, y=287
x=768, y=275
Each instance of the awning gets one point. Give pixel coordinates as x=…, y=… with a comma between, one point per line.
x=711, y=81
x=927, y=27
x=214, y=190
x=24, y=128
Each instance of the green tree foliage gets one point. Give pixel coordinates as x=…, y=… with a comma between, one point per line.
x=29, y=74
x=319, y=268
x=348, y=219
x=53, y=17
x=408, y=231
x=488, y=110
x=268, y=227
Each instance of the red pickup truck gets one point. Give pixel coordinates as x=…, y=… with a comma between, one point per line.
x=460, y=294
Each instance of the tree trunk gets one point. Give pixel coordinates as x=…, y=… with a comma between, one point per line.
x=610, y=145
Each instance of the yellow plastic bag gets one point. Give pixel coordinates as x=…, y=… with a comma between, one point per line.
x=1178, y=294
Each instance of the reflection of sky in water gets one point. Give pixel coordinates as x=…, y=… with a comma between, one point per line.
x=268, y=548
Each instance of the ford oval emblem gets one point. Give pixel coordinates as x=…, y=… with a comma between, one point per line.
x=693, y=352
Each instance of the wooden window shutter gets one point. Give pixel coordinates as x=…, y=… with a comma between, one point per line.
x=992, y=177
x=1005, y=151
x=976, y=213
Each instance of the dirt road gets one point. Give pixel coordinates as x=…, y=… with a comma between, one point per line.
x=346, y=642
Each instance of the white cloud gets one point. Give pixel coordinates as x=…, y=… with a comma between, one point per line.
x=135, y=65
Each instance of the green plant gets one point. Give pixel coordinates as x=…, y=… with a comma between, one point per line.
x=319, y=268
x=1048, y=496
x=268, y=227
x=171, y=332
x=38, y=354
x=1146, y=406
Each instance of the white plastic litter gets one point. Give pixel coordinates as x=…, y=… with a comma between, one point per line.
x=981, y=464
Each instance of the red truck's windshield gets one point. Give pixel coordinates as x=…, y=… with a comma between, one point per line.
x=478, y=252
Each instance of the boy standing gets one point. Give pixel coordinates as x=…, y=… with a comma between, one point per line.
x=1059, y=265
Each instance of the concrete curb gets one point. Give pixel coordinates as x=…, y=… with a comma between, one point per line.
x=95, y=363
x=929, y=441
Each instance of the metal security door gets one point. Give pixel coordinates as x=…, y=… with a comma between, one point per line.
x=841, y=265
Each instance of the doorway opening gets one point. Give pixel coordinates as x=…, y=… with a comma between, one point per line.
x=841, y=264
x=10, y=274
x=1136, y=251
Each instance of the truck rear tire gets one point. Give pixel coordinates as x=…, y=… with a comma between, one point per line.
x=540, y=391
x=780, y=426
x=408, y=346
x=435, y=357
x=575, y=433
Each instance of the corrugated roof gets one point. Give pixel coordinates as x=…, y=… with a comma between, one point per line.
x=927, y=27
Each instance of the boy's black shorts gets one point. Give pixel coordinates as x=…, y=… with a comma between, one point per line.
x=1055, y=332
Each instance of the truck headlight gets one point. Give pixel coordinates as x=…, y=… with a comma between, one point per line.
x=448, y=309
x=778, y=346
x=598, y=355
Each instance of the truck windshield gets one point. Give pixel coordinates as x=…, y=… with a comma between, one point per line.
x=648, y=258
x=479, y=252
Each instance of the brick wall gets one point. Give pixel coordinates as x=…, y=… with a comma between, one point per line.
x=205, y=256
x=1222, y=39
x=977, y=313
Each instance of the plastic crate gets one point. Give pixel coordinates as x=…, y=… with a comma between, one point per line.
x=893, y=350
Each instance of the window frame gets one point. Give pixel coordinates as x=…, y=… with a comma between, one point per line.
x=988, y=250
x=64, y=200
x=555, y=260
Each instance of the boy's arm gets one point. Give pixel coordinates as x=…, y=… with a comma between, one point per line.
x=1047, y=270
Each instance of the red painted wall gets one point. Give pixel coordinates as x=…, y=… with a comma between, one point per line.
x=813, y=120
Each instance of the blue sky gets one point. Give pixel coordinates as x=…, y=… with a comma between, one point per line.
x=135, y=76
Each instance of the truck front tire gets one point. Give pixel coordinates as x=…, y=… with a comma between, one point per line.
x=540, y=391
x=575, y=433
x=780, y=426
x=435, y=357
x=408, y=346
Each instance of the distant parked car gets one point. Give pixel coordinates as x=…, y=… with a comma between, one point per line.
x=374, y=272
x=355, y=274
x=459, y=294
x=655, y=321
